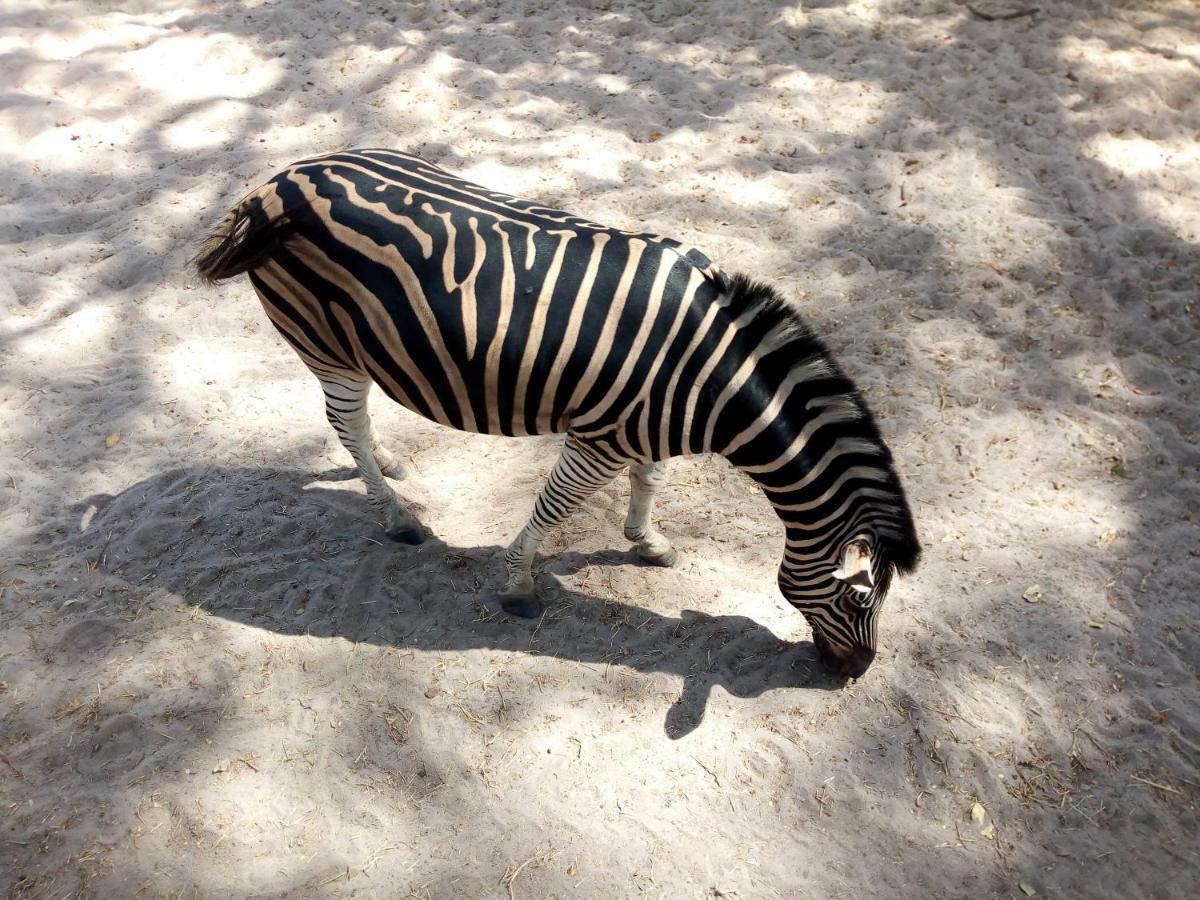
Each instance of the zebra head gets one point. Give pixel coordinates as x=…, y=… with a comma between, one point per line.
x=795, y=423
x=841, y=600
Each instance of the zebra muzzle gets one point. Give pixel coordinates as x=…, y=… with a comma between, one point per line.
x=846, y=663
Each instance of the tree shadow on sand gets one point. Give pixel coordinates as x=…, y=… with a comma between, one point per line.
x=310, y=562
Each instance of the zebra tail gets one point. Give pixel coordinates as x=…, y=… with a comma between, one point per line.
x=241, y=242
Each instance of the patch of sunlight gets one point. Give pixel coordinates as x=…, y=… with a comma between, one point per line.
x=495, y=175
x=1166, y=174
x=806, y=84
x=1128, y=154
x=186, y=68
x=612, y=84
x=1130, y=77
x=979, y=211
x=72, y=337
x=206, y=127
x=577, y=160
x=435, y=73
x=766, y=607
x=89, y=35
x=194, y=367
x=756, y=191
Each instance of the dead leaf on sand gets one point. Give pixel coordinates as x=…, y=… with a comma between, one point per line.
x=979, y=816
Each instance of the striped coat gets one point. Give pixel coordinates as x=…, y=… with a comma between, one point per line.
x=533, y=321
x=491, y=314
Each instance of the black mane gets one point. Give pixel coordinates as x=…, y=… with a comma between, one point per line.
x=773, y=319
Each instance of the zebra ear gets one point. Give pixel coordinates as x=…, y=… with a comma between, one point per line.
x=855, y=569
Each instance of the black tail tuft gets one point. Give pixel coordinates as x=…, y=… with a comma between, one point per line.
x=243, y=240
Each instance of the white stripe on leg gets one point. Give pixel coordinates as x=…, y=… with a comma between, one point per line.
x=346, y=408
x=645, y=480
x=577, y=474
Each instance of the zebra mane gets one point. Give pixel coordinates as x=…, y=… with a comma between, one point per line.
x=788, y=343
x=780, y=322
x=791, y=345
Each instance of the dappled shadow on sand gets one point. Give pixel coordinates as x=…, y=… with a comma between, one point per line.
x=317, y=568
x=287, y=553
x=1058, y=309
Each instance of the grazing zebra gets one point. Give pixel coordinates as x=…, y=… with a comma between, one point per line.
x=491, y=314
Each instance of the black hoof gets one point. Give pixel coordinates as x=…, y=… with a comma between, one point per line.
x=522, y=607
x=666, y=560
x=412, y=535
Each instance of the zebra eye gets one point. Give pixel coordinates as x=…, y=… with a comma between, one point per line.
x=859, y=598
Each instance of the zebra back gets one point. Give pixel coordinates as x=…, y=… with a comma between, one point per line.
x=471, y=307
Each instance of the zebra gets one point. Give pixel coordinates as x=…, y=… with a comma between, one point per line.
x=492, y=314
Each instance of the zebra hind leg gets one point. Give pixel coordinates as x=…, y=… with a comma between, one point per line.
x=346, y=408
x=645, y=481
x=578, y=473
x=386, y=459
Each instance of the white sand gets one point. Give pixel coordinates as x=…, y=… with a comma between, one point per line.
x=215, y=681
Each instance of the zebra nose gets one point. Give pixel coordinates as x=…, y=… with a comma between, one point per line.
x=847, y=664
x=857, y=664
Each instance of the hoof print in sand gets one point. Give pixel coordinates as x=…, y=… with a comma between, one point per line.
x=88, y=636
x=123, y=742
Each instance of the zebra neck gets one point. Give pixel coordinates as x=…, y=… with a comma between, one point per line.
x=818, y=525
x=820, y=462
x=773, y=401
x=826, y=499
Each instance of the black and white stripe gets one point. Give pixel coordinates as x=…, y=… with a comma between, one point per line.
x=487, y=313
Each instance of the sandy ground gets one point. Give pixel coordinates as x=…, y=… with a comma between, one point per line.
x=216, y=681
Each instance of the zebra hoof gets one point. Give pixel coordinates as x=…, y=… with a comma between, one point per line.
x=666, y=560
x=395, y=471
x=522, y=607
x=412, y=535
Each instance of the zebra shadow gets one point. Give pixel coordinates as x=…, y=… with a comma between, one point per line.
x=268, y=549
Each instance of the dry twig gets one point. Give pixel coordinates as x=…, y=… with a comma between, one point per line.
x=1003, y=17
x=1155, y=784
x=510, y=875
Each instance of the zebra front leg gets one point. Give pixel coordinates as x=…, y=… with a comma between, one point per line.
x=645, y=481
x=346, y=407
x=578, y=473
